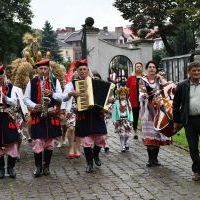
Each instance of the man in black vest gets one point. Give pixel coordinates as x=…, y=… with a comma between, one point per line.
x=90, y=124
x=43, y=96
x=9, y=135
x=186, y=112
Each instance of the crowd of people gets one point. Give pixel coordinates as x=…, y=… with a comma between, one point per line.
x=47, y=113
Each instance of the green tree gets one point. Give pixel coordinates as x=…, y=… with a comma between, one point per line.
x=15, y=20
x=67, y=63
x=183, y=41
x=167, y=15
x=158, y=55
x=49, y=42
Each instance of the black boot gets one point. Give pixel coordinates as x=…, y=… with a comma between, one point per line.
x=155, y=154
x=11, y=167
x=38, y=163
x=89, y=159
x=106, y=149
x=96, y=151
x=2, y=169
x=47, y=160
x=151, y=157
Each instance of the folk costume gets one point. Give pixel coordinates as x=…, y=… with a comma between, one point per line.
x=90, y=128
x=44, y=127
x=70, y=108
x=151, y=138
x=122, y=117
x=9, y=135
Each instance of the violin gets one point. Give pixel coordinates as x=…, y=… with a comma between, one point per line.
x=163, y=120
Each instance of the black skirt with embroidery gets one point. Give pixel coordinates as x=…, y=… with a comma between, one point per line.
x=90, y=122
x=45, y=128
x=8, y=130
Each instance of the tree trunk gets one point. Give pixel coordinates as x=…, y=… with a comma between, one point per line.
x=168, y=48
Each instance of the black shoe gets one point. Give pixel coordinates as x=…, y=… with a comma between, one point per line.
x=97, y=161
x=37, y=172
x=150, y=164
x=29, y=140
x=2, y=173
x=156, y=163
x=89, y=168
x=46, y=170
x=155, y=157
x=135, y=137
x=106, y=149
x=11, y=172
x=127, y=148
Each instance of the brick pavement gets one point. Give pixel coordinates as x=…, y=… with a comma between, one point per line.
x=122, y=176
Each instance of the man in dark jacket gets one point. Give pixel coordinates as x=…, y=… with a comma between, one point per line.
x=186, y=112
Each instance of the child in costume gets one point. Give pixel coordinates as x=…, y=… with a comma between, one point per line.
x=122, y=117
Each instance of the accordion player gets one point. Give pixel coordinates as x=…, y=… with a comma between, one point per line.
x=93, y=92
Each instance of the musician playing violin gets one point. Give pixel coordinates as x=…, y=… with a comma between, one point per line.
x=186, y=113
x=148, y=87
x=90, y=124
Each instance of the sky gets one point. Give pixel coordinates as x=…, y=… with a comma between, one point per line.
x=72, y=13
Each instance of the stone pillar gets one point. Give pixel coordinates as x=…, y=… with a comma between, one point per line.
x=93, y=49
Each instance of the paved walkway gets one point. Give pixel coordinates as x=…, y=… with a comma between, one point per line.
x=122, y=176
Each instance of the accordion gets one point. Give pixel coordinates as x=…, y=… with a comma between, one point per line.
x=93, y=92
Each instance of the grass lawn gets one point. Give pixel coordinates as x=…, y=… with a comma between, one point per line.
x=180, y=138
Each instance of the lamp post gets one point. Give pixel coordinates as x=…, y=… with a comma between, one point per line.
x=89, y=21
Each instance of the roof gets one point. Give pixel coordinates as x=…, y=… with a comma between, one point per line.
x=62, y=44
x=103, y=35
x=108, y=35
x=63, y=36
x=75, y=36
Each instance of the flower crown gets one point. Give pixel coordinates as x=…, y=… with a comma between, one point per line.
x=122, y=90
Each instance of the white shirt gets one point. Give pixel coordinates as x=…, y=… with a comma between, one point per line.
x=20, y=97
x=68, y=88
x=57, y=95
x=194, y=107
x=123, y=103
x=12, y=100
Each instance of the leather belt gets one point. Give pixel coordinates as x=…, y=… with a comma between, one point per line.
x=50, y=109
x=123, y=117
